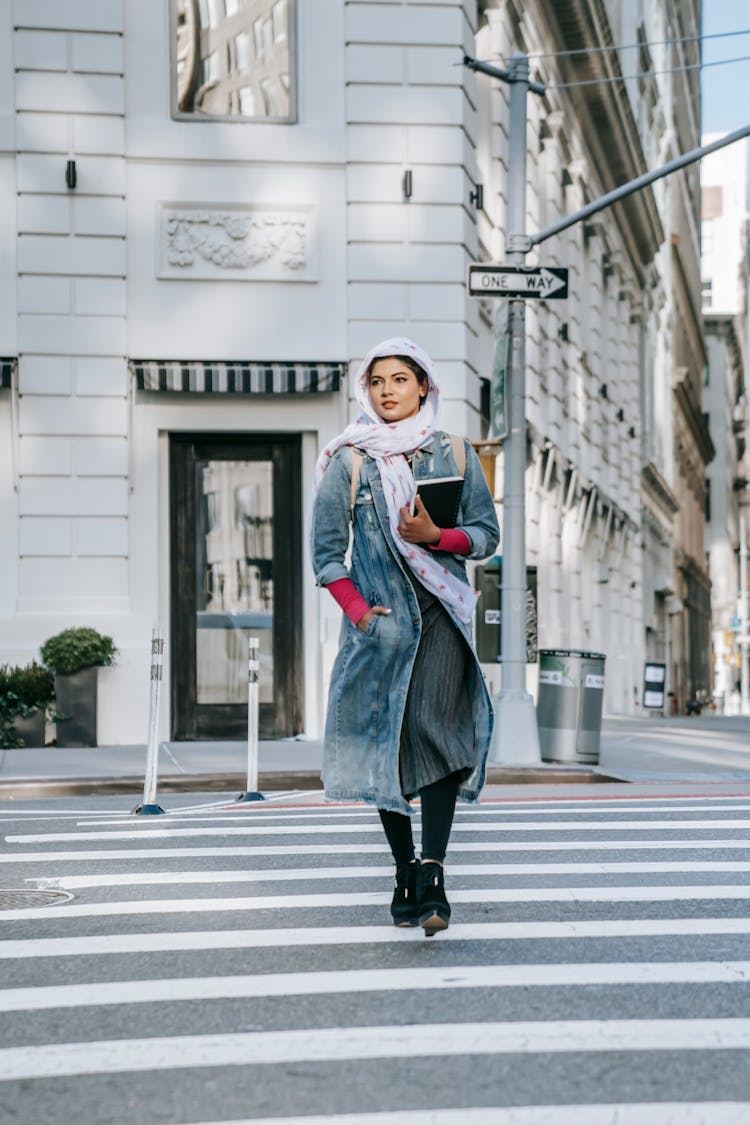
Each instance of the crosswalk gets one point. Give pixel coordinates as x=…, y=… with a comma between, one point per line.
x=237, y=963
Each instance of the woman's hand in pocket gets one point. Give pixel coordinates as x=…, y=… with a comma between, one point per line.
x=376, y=610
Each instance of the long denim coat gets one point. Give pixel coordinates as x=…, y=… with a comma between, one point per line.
x=371, y=674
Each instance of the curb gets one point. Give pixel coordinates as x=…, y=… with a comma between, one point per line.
x=22, y=787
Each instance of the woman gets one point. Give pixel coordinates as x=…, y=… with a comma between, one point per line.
x=408, y=709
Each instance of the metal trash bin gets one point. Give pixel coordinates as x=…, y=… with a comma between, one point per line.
x=569, y=705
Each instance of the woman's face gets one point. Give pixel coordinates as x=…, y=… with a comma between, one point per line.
x=395, y=391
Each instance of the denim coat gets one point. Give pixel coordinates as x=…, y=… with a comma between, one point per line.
x=371, y=674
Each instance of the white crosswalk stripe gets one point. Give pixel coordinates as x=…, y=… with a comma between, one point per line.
x=678, y=893
x=571, y=947
x=372, y=980
x=386, y=1042
x=319, y=874
x=644, y=1113
x=370, y=935
x=373, y=848
x=333, y=828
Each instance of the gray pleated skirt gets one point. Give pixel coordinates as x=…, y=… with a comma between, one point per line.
x=437, y=734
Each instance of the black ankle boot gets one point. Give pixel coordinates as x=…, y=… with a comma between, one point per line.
x=434, y=911
x=404, y=907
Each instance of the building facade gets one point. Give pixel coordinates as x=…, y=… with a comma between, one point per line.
x=212, y=209
x=724, y=267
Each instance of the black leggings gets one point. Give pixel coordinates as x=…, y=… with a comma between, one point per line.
x=438, y=805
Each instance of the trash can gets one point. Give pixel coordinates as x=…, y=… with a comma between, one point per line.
x=569, y=705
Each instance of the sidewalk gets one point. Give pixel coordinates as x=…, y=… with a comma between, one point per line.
x=639, y=751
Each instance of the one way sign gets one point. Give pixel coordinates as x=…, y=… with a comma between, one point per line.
x=515, y=281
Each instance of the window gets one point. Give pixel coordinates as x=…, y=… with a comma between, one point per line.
x=242, y=51
x=233, y=58
x=707, y=292
x=248, y=105
x=211, y=68
x=711, y=202
x=258, y=36
x=279, y=21
x=215, y=12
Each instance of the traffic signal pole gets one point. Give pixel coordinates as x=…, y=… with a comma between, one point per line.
x=515, y=739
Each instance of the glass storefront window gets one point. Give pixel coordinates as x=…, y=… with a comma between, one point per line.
x=235, y=594
x=233, y=59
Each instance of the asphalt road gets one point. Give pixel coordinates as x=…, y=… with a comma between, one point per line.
x=231, y=964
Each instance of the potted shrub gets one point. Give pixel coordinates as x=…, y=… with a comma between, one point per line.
x=25, y=695
x=74, y=656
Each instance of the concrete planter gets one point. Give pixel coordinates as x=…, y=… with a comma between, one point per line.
x=30, y=728
x=75, y=704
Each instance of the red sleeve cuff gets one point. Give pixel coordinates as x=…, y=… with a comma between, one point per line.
x=349, y=598
x=452, y=540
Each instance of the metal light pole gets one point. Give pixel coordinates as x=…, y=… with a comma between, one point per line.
x=515, y=739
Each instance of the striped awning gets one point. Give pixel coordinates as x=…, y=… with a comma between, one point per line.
x=6, y=373
x=230, y=377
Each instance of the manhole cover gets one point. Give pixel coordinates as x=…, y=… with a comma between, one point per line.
x=17, y=899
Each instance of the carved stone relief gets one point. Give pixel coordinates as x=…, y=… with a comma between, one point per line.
x=249, y=244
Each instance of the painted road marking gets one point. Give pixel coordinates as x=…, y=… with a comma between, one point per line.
x=295, y=874
x=119, y=1056
x=380, y=898
x=168, y=990
x=462, y=814
x=374, y=849
x=638, y=1113
x=341, y=829
x=164, y=941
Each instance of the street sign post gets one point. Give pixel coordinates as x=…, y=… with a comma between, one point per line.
x=517, y=281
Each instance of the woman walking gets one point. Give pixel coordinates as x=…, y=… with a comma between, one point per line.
x=408, y=710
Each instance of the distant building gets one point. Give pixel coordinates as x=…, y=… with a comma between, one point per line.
x=693, y=449
x=724, y=272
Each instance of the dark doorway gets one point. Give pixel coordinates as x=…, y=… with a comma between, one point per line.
x=236, y=542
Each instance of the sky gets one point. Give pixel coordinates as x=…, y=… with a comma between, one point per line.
x=726, y=89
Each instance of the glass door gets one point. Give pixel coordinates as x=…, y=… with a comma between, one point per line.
x=236, y=573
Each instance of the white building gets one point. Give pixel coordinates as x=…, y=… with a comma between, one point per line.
x=724, y=269
x=208, y=219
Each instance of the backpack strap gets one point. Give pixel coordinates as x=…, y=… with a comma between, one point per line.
x=459, y=453
x=356, y=463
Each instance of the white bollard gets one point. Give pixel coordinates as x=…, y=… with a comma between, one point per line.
x=253, y=671
x=149, y=804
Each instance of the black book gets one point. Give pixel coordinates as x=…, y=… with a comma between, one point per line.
x=441, y=497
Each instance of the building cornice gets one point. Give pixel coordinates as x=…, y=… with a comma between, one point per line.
x=658, y=490
x=606, y=118
x=696, y=421
x=725, y=325
x=696, y=316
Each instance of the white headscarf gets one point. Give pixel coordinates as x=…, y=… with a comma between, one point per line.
x=387, y=442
